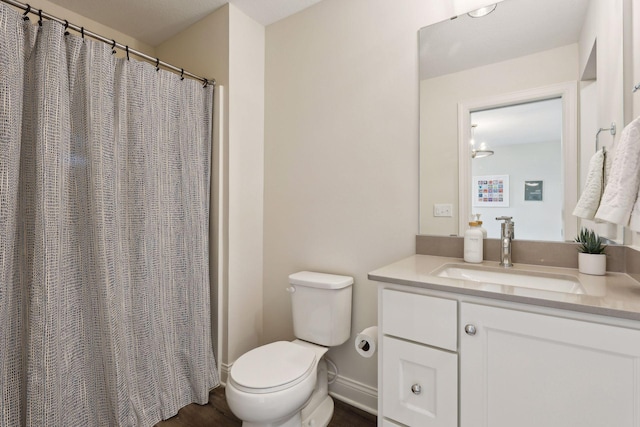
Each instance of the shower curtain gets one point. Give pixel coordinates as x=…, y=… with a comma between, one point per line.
x=104, y=204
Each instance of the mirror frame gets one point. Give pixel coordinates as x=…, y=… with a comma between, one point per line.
x=568, y=92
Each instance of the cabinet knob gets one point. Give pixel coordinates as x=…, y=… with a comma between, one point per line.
x=470, y=329
x=416, y=389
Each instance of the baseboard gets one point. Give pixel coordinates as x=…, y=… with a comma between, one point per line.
x=356, y=394
x=224, y=373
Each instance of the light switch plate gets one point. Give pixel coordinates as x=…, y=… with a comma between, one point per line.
x=440, y=209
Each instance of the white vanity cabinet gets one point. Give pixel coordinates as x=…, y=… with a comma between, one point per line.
x=487, y=363
x=418, y=378
x=528, y=369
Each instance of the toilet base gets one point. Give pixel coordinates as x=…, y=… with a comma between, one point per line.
x=321, y=416
x=319, y=409
x=294, y=421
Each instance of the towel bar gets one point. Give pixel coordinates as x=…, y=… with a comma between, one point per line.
x=611, y=130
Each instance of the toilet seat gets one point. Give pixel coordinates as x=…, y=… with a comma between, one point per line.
x=272, y=367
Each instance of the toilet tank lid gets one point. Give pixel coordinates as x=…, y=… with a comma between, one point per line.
x=320, y=280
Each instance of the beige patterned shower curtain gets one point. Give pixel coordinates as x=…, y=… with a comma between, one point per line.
x=104, y=210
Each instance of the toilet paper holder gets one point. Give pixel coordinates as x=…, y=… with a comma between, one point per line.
x=366, y=342
x=364, y=345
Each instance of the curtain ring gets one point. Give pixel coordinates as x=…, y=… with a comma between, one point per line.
x=127, y=49
x=40, y=17
x=182, y=74
x=206, y=83
x=66, y=27
x=26, y=12
x=157, y=64
x=82, y=32
x=113, y=46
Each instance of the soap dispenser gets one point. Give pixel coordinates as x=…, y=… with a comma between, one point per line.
x=484, y=231
x=473, y=243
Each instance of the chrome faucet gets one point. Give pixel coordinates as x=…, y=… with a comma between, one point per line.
x=506, y=236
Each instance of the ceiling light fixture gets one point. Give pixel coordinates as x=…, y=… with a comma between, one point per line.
x=483, y=11
x=483, y=149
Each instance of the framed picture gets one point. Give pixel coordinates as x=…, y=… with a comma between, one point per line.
x=533, y=191
x=491, y=191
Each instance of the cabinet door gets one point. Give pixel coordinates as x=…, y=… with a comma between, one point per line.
x=420, y=384
x=531, y=370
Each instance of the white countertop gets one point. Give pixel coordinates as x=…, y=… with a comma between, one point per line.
x=614, y=294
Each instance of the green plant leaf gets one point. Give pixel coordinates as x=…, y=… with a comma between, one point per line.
x=590, y=242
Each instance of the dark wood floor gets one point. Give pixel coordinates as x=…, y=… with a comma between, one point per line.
x=217, y=414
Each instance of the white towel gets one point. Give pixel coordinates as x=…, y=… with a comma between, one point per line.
x=623, y=183
x=590, y=199
x=634, y=221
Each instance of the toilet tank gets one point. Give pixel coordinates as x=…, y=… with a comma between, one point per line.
x=321, y=306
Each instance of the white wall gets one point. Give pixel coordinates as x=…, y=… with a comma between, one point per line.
x=535, y=220
x=602, y=100
x=609, y=41
x=634, y=237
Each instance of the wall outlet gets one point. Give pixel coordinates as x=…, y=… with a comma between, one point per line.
x=442, y=210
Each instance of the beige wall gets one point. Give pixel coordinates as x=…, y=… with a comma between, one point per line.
x=103, y=30
x=203, y=48
x=229, y=46
x=440, y=97
x=246, y=172
x=341, y=156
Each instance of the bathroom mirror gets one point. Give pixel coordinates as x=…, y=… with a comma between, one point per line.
x=498, y=66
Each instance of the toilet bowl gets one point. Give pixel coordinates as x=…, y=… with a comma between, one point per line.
x=270, y=385
x=284, y=384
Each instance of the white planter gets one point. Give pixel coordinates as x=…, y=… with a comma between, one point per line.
x=594, y=264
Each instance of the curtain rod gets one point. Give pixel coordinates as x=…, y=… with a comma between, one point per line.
x=41, y=14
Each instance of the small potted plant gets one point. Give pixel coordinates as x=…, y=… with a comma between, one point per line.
x=591, y=257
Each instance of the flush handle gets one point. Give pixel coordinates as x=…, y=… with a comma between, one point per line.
x=470, y=329
x=290, y=289
x=416, y=389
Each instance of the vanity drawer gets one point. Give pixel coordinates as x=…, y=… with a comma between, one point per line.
x=421, y=318
x=420, y=384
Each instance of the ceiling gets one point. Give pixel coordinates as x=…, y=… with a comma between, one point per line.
x=528, y=123
x=154, y=21
x=515, y=28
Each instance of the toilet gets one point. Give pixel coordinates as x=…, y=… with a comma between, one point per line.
x=284, y=383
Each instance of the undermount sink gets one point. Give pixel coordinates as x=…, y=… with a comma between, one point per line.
x=492, y=277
